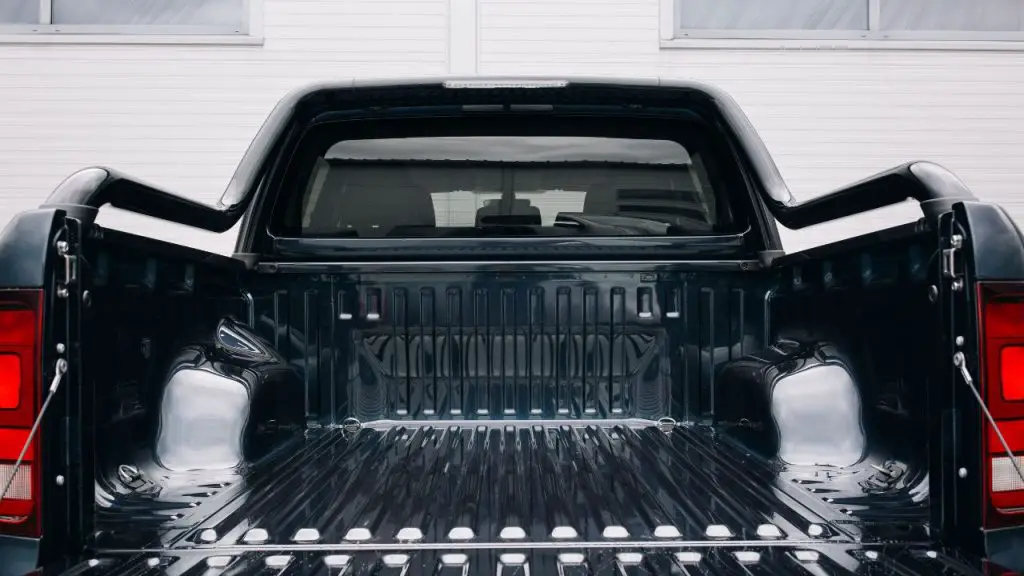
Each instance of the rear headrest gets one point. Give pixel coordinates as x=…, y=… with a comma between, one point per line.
x=519, y=208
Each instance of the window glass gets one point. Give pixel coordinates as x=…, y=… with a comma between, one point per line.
x=19, y=11
x=513, y=149
x=204, y=13
x=952, y=15
x=459, y=207
x=539, y=186
x=963, y=19
x=773, y=14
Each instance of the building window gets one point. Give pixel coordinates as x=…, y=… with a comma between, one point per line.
x=163, y=17
x=851, y=19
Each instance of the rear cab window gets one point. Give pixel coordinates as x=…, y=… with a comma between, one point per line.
x=554, y=184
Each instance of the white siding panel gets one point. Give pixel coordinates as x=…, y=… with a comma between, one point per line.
x=829, y=117
x=181, y=116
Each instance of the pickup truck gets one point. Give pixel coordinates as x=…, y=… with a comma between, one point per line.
x=512, y=326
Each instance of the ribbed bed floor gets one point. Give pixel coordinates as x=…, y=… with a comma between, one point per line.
x=468, y=498
x=495, y=484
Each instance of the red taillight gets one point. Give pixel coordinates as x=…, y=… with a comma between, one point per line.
x=1011, y=371
x=1002, y=382
x=10, y=381
x=20, y=400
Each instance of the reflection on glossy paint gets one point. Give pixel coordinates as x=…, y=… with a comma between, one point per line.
x=220, y=403
x=202, y=415
x=818, y=413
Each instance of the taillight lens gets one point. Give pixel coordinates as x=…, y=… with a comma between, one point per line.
x=20, y=349
x=10, y=381
x=1011, y=371
x=1002, y=381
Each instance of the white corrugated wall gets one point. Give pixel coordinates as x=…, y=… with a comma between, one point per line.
x=181, y=116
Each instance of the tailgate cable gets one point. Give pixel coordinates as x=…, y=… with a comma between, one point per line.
x=960, y=361
x=61, y=368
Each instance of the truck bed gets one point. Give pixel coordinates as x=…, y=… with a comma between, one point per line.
x=588, y=496
x=369, y=388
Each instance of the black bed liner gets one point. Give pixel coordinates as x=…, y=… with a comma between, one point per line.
x=388, y=491
x=493, y=484
x=490, y=483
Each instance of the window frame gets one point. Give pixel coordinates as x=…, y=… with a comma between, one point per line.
x=673, y=34
x=250, y=32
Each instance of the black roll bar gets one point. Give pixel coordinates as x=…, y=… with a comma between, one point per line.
x=935, y=188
